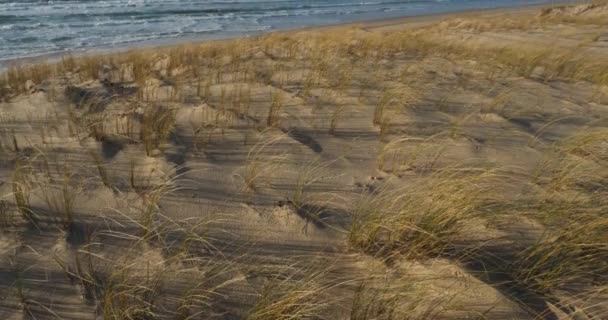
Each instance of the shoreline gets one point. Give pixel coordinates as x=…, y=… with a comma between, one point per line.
x=413, y=21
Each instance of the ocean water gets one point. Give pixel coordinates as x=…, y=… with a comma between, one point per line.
x=30, y=28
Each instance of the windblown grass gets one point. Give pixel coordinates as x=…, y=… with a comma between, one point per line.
x=418, y=211
x=277, y=103
x=60, y=200
x=21, y=190
x=292, y=294
x=158, y=122
x=424, y=220
x=258, y=167
x=570, y=256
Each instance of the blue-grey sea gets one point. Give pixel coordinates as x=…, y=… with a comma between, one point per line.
x=30, y=28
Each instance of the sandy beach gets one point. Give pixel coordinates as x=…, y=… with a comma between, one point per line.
x=452, y=166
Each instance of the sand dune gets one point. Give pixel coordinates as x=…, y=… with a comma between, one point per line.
x=451, y=169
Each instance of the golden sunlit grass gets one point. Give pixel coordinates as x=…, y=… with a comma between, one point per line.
x=335, y=118
x=258, y=166
x=21, y=190
x=567, y=257
x=293, y=294
x=277, y=103
x=158, y=121
x=374, y=304
x=141, y=64
x=570, y=256
x=407, y=201
x=308, y=174
x=60, y=199
x=588, y=144
x=423, y=220
x=411, y=153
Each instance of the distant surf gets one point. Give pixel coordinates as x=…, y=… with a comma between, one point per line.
x=31, y=28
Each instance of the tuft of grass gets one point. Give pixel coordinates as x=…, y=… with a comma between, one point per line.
x=277, y=101
x=61, y=199
x=292, y=294
x=67, y=64
x=135, y=284
x=335, y=117
x=371, y=304
x=308, y=175
x=400, y=96
x=151, y=200
x=176, y=91
x=577, y=254
x=395, y=157
x=89, y=67
x=385, y=126
x=126, y=300
x=420, y=221
x=387, y=98
x=16, y=77
x=260, y=163
x=21, y=190
x=588, y=144
x=410, y=297
x=158, y=123
x=95, y=125
x=203, y=128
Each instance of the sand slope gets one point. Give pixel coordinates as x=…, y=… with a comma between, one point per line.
x=230, y=180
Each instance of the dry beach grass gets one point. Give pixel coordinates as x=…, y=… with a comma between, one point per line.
x=453, y=170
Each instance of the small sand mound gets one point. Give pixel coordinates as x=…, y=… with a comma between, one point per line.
x=593, y=10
